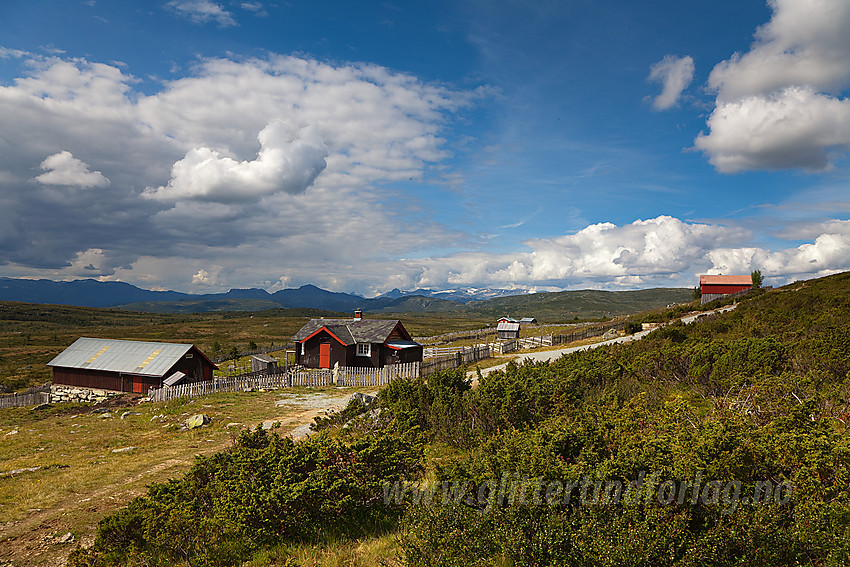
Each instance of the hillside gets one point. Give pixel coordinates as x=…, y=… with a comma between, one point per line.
x=583, y=304
x=720, y=443
x=201, y=305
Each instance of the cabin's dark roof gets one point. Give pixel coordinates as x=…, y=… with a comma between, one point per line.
x=352, y=331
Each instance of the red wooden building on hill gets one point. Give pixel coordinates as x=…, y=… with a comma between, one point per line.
x=354, y=342
x=715, y=287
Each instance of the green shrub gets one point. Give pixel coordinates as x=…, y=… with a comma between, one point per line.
x=266, y=490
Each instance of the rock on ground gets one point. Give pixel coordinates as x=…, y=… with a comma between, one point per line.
x=197, y=420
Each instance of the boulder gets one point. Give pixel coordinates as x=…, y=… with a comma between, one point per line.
x=67, y=538
x=362, y=399
x=123, y=450
x=197, y=420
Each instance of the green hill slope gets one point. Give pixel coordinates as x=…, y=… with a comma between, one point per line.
x=584, y=304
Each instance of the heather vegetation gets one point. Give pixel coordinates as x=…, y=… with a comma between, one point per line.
x=723, y=442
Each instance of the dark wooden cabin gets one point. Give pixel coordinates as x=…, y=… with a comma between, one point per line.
x=321, y=343
x=128, y=366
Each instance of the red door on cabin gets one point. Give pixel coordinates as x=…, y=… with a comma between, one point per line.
x=325, y=355
x=138, y=385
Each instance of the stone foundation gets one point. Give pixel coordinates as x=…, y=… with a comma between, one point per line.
x=60, y=393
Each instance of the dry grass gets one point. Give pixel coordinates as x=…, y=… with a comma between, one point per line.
x=81, y=480
x=377, y=551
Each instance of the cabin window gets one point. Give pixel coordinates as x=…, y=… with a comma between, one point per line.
x=190, y=355
x=364, y=349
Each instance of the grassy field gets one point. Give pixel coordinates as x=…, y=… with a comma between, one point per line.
x=81, y=472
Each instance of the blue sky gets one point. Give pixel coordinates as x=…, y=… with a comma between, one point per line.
x=201, y=145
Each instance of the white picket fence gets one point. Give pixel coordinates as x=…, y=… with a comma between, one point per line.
x=358, y=376
x=346, y=376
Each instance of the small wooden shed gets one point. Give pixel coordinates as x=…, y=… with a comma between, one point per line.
x=263, y=363
x=507, y=328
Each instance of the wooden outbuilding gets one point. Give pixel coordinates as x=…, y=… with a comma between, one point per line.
x=263, y=363
x=507, y=328
x=321, y=343
x=715, y=287
x=129, y=366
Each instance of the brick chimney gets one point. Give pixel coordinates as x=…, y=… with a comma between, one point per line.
x=358, y=314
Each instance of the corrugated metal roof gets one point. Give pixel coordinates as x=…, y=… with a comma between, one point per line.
x=131, y=357
x=174, y=379
x=726, y=280
x=505, y=326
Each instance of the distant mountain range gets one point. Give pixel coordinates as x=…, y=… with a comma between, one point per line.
x=93, y=293
x=472, y=301
x=460, y=295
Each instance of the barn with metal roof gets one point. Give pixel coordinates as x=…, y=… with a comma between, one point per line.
x=716, y=286
x=128, y=366
x=354, y=342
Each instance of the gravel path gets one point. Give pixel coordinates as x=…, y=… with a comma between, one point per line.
x=549, y=355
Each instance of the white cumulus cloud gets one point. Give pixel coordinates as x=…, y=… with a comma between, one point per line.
x=675, y=74
x=781, y=104
x=64, y=169
x=655, y=251
x=203, y=11
x=795, y=127
x=828, y=253
x=289, y=161
x=315, y=144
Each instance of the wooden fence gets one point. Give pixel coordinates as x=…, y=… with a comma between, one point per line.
x=358, y=376
x=243, y=353
x=345, y=376
x=477, y=334
x=31, y=397
x=505, y=347
x=452, y=361
x=586, y=333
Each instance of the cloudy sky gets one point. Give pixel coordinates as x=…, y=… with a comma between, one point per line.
x=201, y=145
